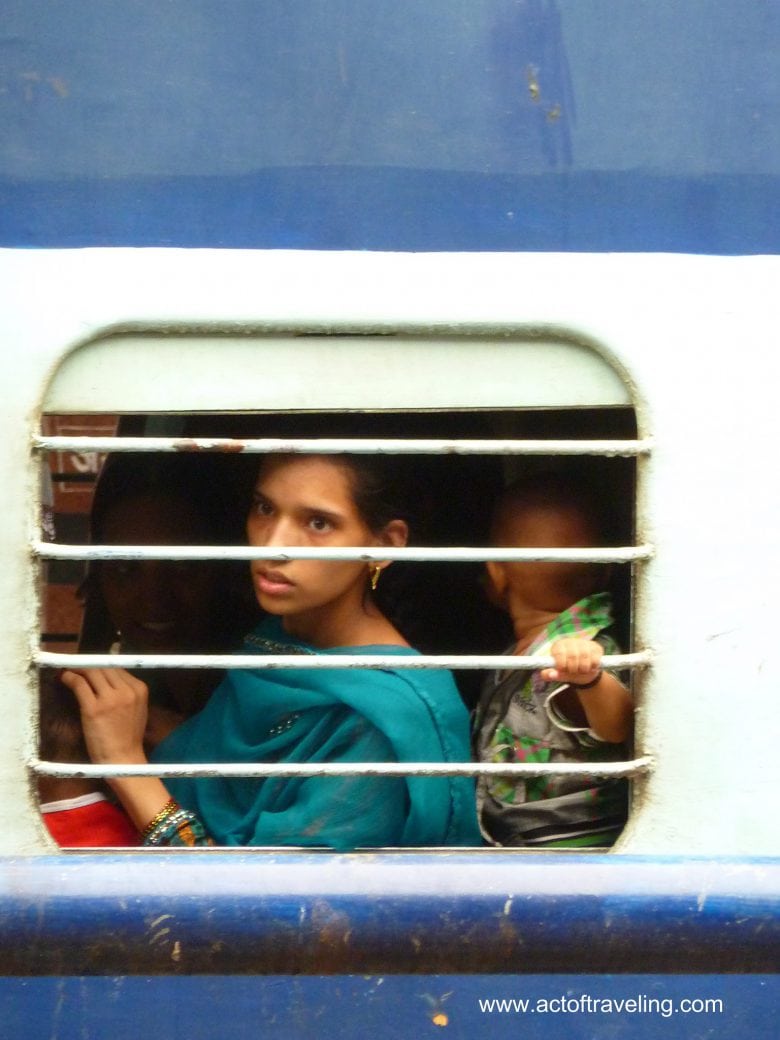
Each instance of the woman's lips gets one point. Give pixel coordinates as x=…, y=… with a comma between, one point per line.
x=158, y=627
x=272, y=583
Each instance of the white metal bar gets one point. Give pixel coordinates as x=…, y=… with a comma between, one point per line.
x=314, y=662
x=632, y=767
x=329, y=445
x=364, y=554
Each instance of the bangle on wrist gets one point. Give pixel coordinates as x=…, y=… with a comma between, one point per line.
x=170, y=807
x=588, y=685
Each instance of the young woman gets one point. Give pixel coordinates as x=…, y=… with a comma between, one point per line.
x=302, y=715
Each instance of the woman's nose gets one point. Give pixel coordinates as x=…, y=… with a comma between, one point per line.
x=275, y=531
x=157, y=581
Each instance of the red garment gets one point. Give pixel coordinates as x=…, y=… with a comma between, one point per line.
x=97, y=824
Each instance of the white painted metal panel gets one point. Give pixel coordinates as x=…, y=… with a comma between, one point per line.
x=693, y=339
x=270, y=372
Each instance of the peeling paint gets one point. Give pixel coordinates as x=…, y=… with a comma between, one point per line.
x=438, y=1016
x=159, y=920
x=720, y=635
x=534, y=90
x=35, y=86
x=228, y=447
x=333, y=926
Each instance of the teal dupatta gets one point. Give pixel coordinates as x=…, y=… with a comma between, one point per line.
x=353, y=715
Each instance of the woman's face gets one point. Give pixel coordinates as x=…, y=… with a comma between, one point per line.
x=158, y=606
x=308, y=502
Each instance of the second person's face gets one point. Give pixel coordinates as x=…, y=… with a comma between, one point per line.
x=158, y=606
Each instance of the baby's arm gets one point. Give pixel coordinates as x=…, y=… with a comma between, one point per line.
x=607, y=704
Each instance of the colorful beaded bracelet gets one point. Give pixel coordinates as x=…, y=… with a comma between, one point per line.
x=167, y=810
x=180, y=828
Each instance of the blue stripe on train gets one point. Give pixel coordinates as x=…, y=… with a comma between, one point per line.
x=393, y=1007
x=400, y=209
x=282, y=912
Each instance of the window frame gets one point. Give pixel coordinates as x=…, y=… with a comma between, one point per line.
x=634, y=660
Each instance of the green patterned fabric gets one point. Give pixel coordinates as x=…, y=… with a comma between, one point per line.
x=517, y=721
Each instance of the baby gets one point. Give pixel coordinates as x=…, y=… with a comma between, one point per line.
x=573, y=712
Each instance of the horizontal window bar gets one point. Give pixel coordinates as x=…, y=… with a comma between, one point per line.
x=313, y=662
x=420, y=446
x=365, y=554
x=632, y=767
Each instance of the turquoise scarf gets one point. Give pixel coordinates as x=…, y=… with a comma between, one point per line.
x=354, y=715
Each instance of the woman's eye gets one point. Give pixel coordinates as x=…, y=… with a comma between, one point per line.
x=261, y=507
x=319, y=524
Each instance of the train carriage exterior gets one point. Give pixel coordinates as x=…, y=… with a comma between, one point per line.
x=554, y=224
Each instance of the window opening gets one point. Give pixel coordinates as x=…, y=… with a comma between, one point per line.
x=439, y=603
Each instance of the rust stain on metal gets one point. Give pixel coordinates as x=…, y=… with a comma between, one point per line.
x=333, y=926
x=439, y=1016
x=226, y=447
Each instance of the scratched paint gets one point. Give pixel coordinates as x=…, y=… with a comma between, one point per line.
x=353, y=1008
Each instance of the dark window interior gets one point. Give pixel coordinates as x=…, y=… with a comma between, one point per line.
x=440, y=607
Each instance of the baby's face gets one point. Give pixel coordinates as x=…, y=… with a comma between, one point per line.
x=546, y=586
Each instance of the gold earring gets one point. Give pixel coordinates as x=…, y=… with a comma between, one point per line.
x=375, y=572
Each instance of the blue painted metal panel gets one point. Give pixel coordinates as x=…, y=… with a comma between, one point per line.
x=578, y=1007
x=319, y=913
x=454, y=124
x=357, y=208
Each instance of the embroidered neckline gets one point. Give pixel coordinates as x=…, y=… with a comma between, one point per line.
x=275, y=646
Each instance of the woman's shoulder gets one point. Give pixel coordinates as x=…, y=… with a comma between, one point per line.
x=432, y=689
x=375, y=649
x=270, y=637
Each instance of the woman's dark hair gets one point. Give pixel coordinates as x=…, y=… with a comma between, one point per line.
x=192, y=479
x=381, y=488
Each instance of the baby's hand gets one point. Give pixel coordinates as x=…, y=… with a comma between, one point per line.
x=577, y=661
